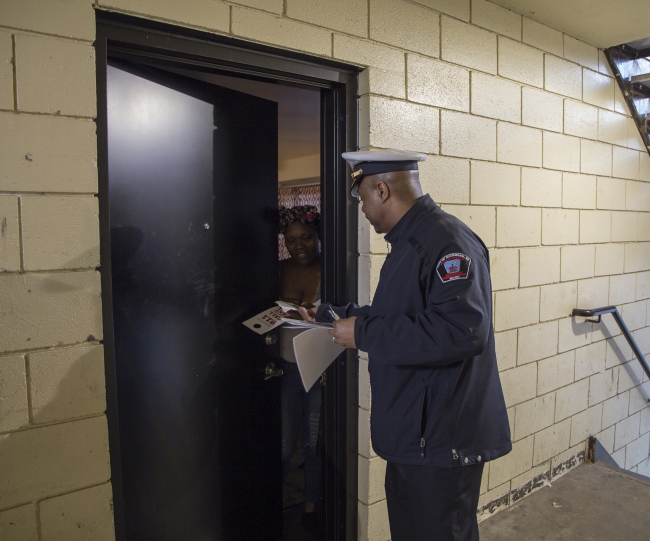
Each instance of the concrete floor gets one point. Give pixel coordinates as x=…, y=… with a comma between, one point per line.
x=592, y=502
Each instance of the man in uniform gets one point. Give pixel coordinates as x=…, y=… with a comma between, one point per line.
x=438, y=412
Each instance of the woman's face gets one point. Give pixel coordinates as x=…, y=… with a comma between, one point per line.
x=302, y=243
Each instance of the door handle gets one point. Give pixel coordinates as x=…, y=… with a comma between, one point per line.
x=271, y=371
x=270, y=339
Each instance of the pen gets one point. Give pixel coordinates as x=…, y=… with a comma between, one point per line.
x=334, y=314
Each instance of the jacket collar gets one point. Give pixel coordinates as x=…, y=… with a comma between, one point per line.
x=404, y=227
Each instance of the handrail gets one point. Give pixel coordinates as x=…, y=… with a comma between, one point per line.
x=598, y=312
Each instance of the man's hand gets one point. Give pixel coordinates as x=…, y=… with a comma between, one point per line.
x=343, y=332
x=308, y=314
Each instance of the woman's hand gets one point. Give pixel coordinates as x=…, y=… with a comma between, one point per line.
x=308, y=314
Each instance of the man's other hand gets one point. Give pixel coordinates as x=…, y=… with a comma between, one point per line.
x=343, y=332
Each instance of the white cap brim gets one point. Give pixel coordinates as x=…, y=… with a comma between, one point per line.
x=386, y=155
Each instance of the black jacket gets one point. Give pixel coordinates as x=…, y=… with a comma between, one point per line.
x=436, y=393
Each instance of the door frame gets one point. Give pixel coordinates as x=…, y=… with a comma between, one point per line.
x=149, y=41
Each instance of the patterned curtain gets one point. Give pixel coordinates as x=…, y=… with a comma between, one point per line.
x=294, y=196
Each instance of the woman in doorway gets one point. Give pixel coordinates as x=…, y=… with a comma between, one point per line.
x=300, y=282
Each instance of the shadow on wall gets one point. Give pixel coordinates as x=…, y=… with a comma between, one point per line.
x=630, y=374
x=55, y=463
x=633, y=369
x=86, y=260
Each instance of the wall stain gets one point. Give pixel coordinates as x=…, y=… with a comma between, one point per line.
x=538, y=482
x=28, y=157
x=532, y=485
x=491, y=507
x=4, y=227
x=568, y=464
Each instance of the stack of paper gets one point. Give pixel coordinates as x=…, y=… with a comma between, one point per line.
x=305, y=324
x=314, y=349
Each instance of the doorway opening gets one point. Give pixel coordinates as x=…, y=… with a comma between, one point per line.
x=200, y=140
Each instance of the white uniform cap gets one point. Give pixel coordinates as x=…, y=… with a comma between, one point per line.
x=386, y=155
x=373, y=162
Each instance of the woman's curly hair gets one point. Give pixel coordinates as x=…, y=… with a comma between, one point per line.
x=305, y=214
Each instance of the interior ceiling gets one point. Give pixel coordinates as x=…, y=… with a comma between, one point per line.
x=298, y=111
x=603, y=23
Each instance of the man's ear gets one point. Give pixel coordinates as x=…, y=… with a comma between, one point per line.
x=383, y=191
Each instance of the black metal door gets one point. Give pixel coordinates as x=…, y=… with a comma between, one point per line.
x=192, y=181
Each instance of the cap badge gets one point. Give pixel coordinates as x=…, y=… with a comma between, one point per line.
x=355, y=174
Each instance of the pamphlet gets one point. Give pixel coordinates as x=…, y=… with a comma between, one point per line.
x=313, y=348
x=265, y=321
x=314, y=351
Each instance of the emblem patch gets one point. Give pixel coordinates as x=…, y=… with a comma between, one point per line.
x=453, y=267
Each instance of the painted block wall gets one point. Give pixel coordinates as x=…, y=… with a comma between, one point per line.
x=54, y=456
x=529, y=142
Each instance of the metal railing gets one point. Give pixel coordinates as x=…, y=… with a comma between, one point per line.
x=598, y=312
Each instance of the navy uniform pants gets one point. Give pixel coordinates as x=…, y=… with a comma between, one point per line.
x=428, y=503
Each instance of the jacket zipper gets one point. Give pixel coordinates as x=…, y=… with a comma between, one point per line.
x=423, y=422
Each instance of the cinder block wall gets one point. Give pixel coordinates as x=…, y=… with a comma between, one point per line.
x=54, y=457
x=529, y=142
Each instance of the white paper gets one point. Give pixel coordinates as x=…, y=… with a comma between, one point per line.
x=273, y=317
x=314, y=351
x=265, y=321
x=287, y=306
x=306, y=324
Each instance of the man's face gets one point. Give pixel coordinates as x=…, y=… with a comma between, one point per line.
x=371, y=203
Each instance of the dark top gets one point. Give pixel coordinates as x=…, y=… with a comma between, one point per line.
x=436, y=393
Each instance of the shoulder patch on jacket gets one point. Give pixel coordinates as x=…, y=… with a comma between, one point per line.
x=453, y=267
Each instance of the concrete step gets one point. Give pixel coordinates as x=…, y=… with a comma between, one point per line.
x=594, y=502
